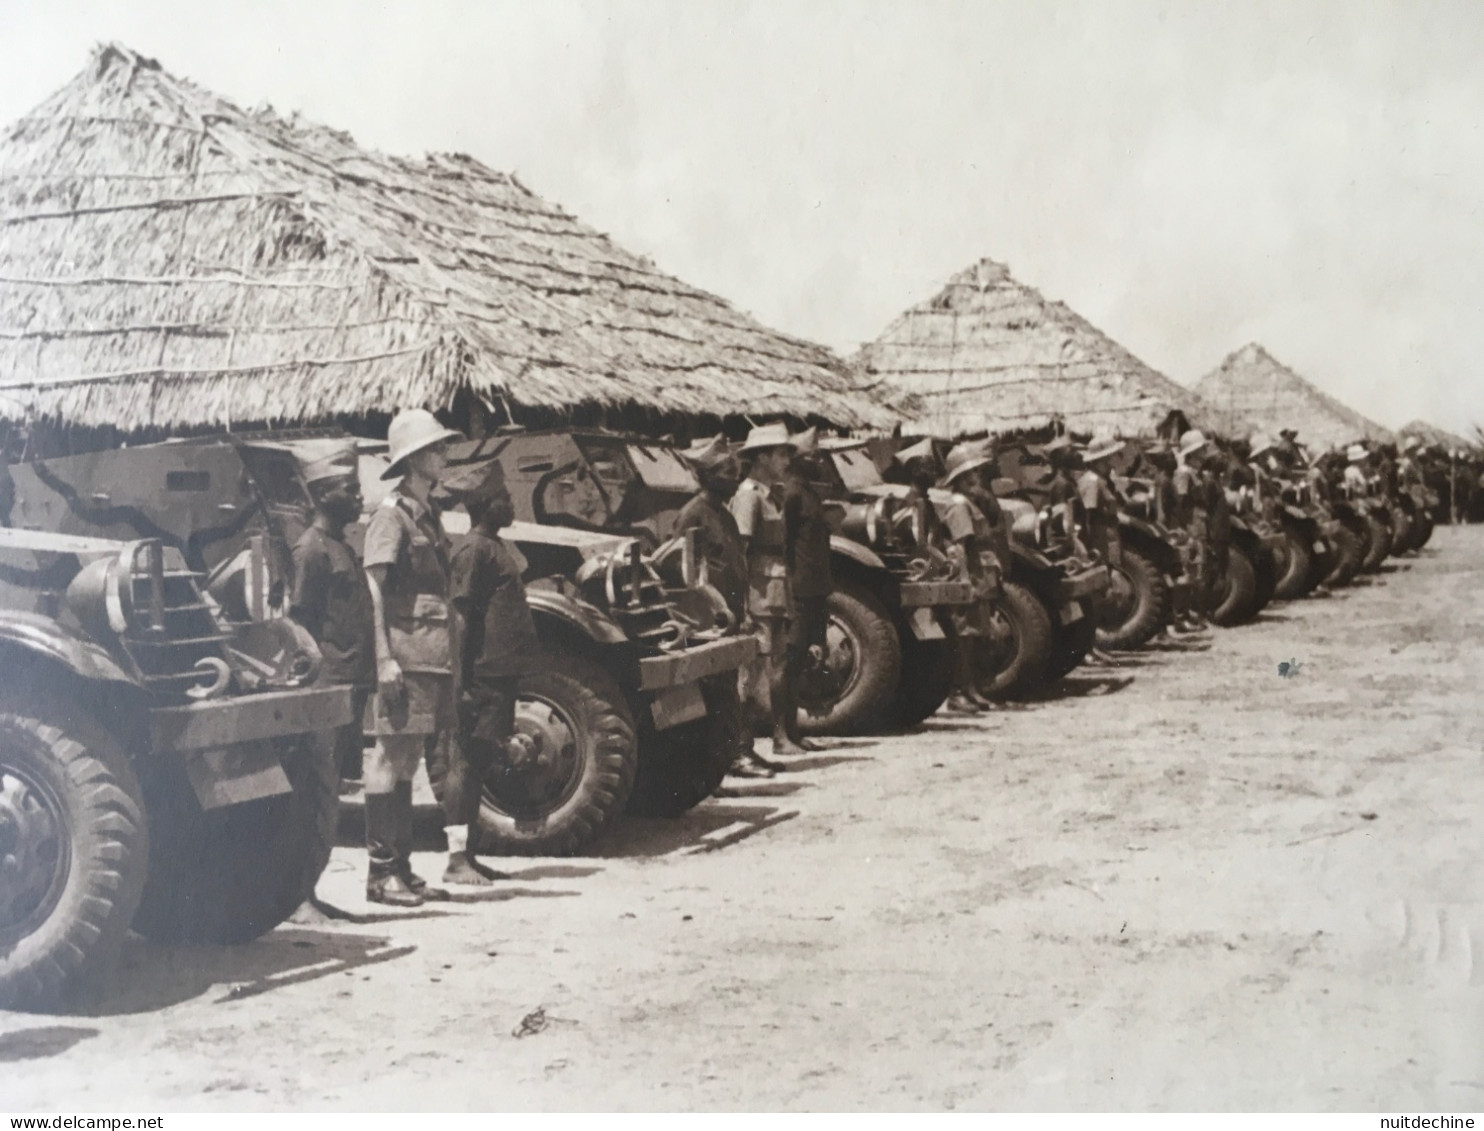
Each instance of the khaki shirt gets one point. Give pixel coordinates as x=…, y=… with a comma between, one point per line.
x=407, y=537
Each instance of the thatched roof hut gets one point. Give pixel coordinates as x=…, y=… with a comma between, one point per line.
x=1431, y=434
x=989, y=354
x=168, y=260
x=1253, y=385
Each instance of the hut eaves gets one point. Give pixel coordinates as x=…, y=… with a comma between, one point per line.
x=988, y=353
x=170, y=260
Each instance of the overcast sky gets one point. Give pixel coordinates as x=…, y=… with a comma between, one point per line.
x=1188, y=176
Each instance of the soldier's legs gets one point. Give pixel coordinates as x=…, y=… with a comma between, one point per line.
x=782, y=704
x=389, y=767
x=487, y=721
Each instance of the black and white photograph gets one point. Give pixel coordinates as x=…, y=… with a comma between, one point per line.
x=741, y=556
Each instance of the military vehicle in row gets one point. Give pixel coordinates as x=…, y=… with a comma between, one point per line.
x=883, y=615
x=165, y=760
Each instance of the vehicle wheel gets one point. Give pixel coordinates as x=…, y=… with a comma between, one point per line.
x=1379, y=546
x=1424, y=529
x=852, y=694
x=1265, y=573
x=1236, y=594
x=582, y=766
x=231, y=874
x=1138, y=604
x=926, y=681
x=1403, y=530
x=1070, y=646
x=1295, y=564
x=74, y=848
x=1349, y=550
x=1028, y=628
x=682, y=766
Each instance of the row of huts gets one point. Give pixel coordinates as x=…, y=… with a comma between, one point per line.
x=172, y=263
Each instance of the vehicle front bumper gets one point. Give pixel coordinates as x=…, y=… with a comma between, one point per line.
x=671, y=669
x=925, y=594
x=1088, y=583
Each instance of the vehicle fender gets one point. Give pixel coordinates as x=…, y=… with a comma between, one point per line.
x=861, y=555
x=586, y=618
x=1130, y=522
x=41, y=637
x=1027, y=558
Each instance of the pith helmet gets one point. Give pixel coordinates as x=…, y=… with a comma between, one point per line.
x=768, y=436
x=1260, y=443
x=962, y=459
x=1356, y=453
x=1193, y=441
x=1411, y=443
x=411, y=431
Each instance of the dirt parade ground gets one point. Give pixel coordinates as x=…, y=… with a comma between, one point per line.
x=1187, y=882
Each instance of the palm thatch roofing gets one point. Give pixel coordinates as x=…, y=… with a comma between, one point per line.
x=1432, y=435
x=1253, y=385
x=170, y=260
x=989, y=354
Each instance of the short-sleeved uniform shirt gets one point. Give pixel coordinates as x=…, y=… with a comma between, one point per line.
x=486, y=588
x=807, y=540
x=719, y=542
x=332, y=599
x=406, y=536
x=760, y=521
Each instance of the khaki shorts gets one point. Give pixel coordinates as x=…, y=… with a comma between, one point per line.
x=427, y=708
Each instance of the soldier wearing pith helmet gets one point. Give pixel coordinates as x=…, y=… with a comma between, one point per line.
x=407, y=562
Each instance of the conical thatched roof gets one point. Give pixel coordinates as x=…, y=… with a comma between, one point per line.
x=988, y=353
x=1253, y=385
x=169, y=260
x=1432, y=434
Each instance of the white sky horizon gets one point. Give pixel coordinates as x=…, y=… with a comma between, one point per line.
x=1306, y=174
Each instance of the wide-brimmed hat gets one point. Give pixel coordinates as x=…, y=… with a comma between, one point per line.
x=708, y=454
x=1057, y=443
x=413, y=430
x=1259, y=443
x=767, y=436
x=1288, y=433
x=1192, y=441
x=326, y=459
x=1101, y=449
x=1355, y=453
x=922, y=450
x=807, y=441
x=964, y=458
x=471, y=482
x=1411, y=442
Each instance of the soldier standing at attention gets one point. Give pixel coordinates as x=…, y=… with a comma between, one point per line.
x=971, y=529
x=1192, y=514
x=1100, y=503
x=496, y=644
x=331, y=597
x=406, y=559
x=718, y=542
x=807, y=537
x=757, y=507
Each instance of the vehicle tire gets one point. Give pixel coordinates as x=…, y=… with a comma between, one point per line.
x=1424, y=529
x=1030, y=633
x=1295, y=565
x=925, y=683
x=682, y=766
x=1379, y=546
x=1265, y=573
x=1070, y=645
x=1403, y=529
x=1237, y=591
x=854, y=696
x=577, y=717
x=1349, y=552
x=74, y=845
x=1147, y=609
x=231, y=874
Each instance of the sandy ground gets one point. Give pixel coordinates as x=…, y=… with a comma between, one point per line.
x=1185, y=884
